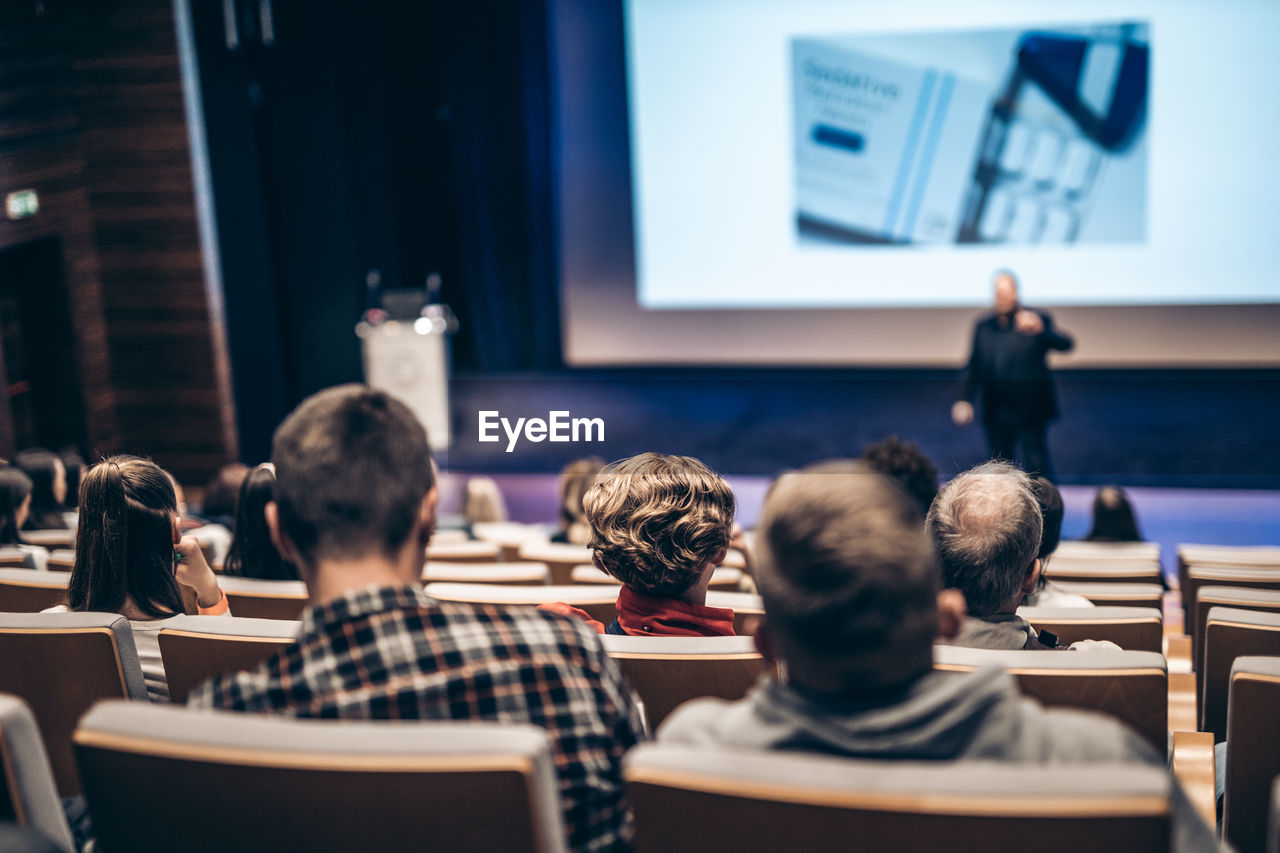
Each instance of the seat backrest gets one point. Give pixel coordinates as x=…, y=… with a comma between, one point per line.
x=1223, y=556
x=1231, y=633
x=14, y=558
x=27, y=591
x=1107, y=552
x=523, y=574
x=1108, y=594
x=747, y=607
x=259, y=599
x=61, y=560
x=1273, y=819
x=559, y=557
x=1096, y=572
x=1139, y=629
x=508, y=535
x=212, y=781
x=1253, y=752
x=688, y=798
x=60, y=664
x=463, y=552
x=196, y=648
x=667, y=671
x=55, y=538
x=1131, y=686
x=27, y=793
x=1222, y=580
x=598, y=600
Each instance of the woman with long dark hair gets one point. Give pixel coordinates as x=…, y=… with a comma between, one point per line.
x=15, y=503
x=132, y=560
x=48, y=488
x=252, y=553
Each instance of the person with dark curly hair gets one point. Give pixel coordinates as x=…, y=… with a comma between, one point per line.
x=660, y=525
x=903, y=461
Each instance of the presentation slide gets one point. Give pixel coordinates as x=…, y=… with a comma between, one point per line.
x=815, y=154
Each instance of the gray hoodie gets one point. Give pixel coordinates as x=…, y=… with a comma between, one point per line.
x=944, y=716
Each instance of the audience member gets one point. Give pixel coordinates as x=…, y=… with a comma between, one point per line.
x=15, y=503
x=1113, y=517
x=73, y=465
x=1047, y=594
x=903, y=461
x=131, y=557
x=483, y=501
x=354, y=508
x=852, y=606
x=219, y=504
x=576, y=478
x=660, y=525
x=48, y=488
x=987, y=526
x=252, y=554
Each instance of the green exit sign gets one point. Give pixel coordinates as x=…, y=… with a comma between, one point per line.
x=21, y=204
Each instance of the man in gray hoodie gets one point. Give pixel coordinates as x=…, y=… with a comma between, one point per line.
x=852, y=605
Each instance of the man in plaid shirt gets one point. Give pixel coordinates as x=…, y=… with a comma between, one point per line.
x=354, y=508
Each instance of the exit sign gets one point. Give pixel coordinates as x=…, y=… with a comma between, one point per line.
x=21, y=204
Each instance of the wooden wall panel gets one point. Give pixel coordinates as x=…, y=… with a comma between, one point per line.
x=92, y=116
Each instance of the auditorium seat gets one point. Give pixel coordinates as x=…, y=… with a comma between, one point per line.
x=50, y=538
x=666, y=671
x=747, y=607
x=463, y=552
x=1224, y=556
x=519, y=574
x=259, y=599
x=27, y=793
x=1273, y=819
x=509, y=535
x=1230, y=634
x=1107, y=552
x=596, y=599
x=559, y=557
x=1253, y=751
x=1139, y=629
x=14, y=558
x=61, y=560
x=1199, y=577
x=196, y=648
x=1108, y=594
x=60, y=664
x=161, y=778
x=1239, y=597
x=722, y=578
x=1130, y=686
x=451, y=536
x=1099, y=572
x=705, y=799
x=28, y=591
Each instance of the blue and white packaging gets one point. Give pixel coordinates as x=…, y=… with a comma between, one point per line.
x=883, y=150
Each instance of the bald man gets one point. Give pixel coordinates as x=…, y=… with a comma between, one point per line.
x=1007, y=370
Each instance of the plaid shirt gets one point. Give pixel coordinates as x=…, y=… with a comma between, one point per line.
x=395, y=653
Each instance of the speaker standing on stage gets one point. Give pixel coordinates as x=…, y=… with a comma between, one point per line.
x=1007, y=369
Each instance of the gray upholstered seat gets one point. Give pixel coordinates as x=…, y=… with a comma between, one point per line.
x=1231, y=633
x=28, y=796
x=196, y=648
x=28, y=591
x=1253, y=751
x=1131, y=686
x=1113, y=594
x=526, y=574
x=689, y=798
x=1088, y=571
x=213, y=781
x=724, y=577
x=667, y=671
x=260, y=599
x=1135, y=628
x=1107, y=552
x=1209, y=596
x=463, y=552
x=60, y=664
x=597, y=600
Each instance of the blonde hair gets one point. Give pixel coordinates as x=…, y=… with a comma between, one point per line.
x=576, y=478
x=657, y=521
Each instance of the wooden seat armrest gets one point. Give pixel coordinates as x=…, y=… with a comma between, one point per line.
x=1183, y=706
x=1193, y=765
x=1177, y=651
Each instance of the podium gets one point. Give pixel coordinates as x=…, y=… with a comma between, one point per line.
x=409, y=358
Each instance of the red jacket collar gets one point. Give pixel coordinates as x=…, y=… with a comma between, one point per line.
x=646, y=616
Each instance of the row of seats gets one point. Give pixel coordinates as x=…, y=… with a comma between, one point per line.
x=263, y=783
